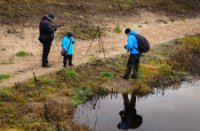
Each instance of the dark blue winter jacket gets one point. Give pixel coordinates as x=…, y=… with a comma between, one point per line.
x=46, y=30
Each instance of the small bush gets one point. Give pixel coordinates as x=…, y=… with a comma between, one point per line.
x=21, y=54
x=70, y=73
x=117, y=29
x=4, y=76
x=106, y=74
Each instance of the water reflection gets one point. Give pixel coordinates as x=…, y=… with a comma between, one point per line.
x=129, y=117
x=173, y=109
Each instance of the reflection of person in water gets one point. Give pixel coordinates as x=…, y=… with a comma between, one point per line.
x=129, y=116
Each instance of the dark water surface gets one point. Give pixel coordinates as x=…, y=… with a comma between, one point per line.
x=172, y=109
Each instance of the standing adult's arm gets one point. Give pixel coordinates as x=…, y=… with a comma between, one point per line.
x=49, y=29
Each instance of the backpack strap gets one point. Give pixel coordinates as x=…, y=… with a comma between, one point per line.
x=69, y=44
x=134, y=46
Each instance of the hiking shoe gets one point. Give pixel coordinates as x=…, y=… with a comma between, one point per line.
x=46, y=66
x=134, y=77
x=71, y=65
x=124, y=77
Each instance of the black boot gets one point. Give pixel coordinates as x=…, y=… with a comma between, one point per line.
x=64, y=64
x=46, y=65
x=134, y=76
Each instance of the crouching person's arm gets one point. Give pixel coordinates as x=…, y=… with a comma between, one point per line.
x=129, y=45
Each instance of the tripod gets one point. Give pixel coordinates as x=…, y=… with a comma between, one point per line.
x=100, y=42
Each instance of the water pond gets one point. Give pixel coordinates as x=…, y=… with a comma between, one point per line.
x=176, y=108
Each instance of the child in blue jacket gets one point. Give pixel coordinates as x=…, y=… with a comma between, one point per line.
x=68, y=46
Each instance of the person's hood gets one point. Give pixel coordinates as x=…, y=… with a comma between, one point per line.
x=46, y=18
x=133, y=32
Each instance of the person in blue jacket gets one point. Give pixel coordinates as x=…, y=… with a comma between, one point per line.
x=68, y=47
x=129, y=117
x=134, y=58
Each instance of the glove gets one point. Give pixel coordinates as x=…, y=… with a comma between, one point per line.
x=55, y=29
x=125, y=47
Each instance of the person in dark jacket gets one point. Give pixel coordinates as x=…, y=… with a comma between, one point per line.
x=46, y=36
x=134, y=58
x=130, y=118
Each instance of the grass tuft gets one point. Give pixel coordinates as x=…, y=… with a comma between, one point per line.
x=117, y=29
x=106, y=74
x=70, y=73
x=5, y=95
x=4, y=76
x=81, y=95
x=21, y=54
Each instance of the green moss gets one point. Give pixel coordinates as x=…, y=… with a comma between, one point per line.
x=125, y=4
x=4, y=76
x=21, y=54
x=106, y=74
x=70, y=73
x=5, y=95
x=81, y=95
x=47, y=80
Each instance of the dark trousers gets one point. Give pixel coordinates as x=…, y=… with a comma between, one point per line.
x=45, y=54
x=133, y=63
x=67, y=59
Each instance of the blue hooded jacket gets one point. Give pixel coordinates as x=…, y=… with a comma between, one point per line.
x=65, y=44
x=132, y=43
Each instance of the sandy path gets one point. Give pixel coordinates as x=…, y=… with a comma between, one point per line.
x=23, y=68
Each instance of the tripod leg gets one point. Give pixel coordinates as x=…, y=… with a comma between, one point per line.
x=101, y=43
x=92, y=42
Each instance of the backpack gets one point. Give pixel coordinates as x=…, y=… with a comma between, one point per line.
x=143, y=44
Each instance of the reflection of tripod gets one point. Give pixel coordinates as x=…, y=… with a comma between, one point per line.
x=100, y=42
